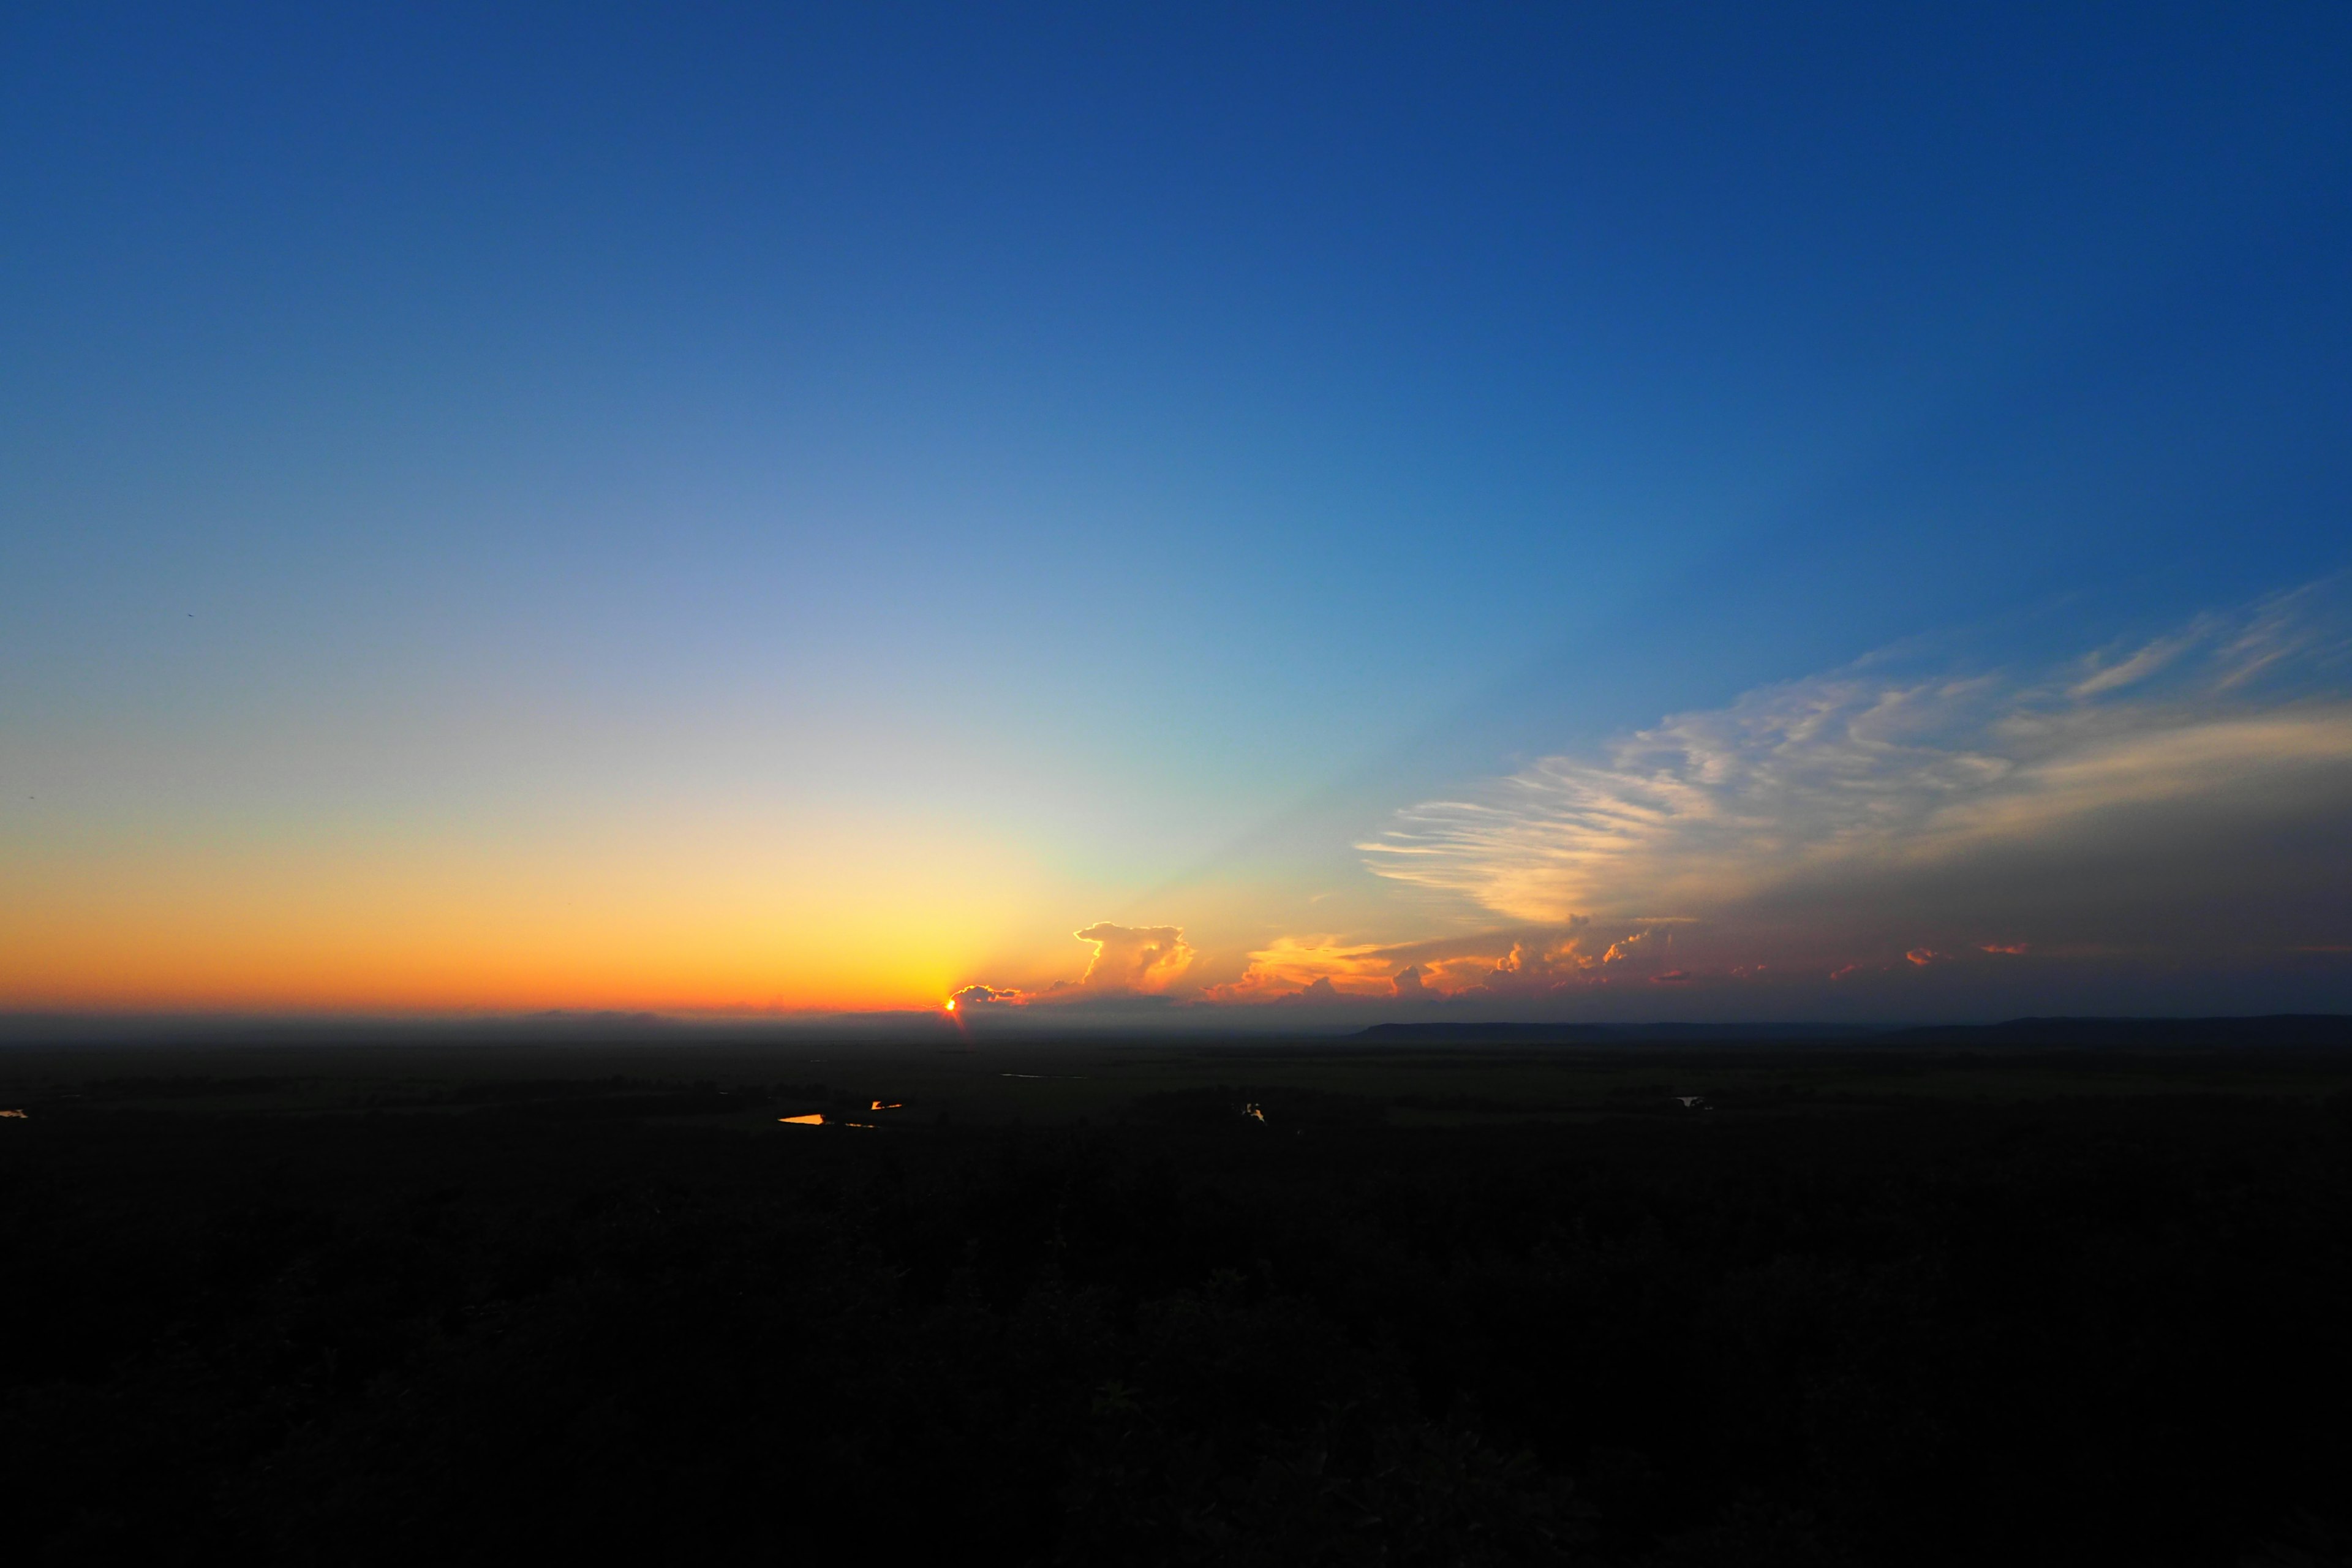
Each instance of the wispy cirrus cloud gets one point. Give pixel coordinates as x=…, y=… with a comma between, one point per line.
x=1864, y=773
x=1876, y=832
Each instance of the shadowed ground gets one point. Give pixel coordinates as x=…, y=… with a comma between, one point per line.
x=1423, y=1301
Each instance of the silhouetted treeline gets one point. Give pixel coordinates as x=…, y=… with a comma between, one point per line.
x=2070, y=1330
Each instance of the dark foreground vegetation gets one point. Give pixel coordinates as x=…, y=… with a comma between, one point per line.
x=1130, y=1305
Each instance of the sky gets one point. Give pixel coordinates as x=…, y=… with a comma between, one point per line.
x=1254, y=515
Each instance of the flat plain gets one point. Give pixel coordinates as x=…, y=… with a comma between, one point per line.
x=377, y=1297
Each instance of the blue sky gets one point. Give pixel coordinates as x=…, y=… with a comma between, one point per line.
x=588, y=504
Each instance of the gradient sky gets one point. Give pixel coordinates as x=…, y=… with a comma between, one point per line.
x=1809, y=511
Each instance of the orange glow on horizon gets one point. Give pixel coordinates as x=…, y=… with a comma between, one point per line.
x=579, y=907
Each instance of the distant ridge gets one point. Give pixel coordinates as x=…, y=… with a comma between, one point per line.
x=2272, y=1029
x=1609, y=1034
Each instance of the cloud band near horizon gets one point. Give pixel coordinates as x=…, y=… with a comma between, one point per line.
x=2184, y=795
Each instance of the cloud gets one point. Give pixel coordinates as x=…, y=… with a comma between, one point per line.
x=1146, y=958
x=1511, y=963
x=1292, y=963
x=1844, y=787
x=2137, y=667
x=1130, y=964
x=2178, y=802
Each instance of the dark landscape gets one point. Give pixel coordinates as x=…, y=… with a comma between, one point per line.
x=2056, y=1291
x=1289, y=786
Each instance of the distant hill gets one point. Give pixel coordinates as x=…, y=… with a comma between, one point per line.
x=2275, y=1030
x=1605, y=1034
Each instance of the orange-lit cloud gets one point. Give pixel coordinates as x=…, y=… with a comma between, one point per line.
x=1923, y=956
x=1129, y=961
x=1144, y=959
x=1525, y=963
x=2011, y=948
x=1292, y=964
